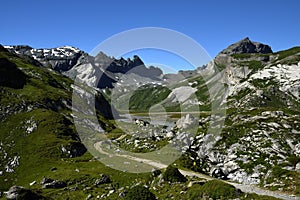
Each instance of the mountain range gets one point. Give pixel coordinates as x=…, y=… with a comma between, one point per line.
x=256, y=92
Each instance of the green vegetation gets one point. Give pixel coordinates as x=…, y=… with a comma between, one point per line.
x=255, y=65
x=250, y=56
x=293, y=160
x=264, y=83
x=213, y=189
x=289, y=57
x=242, y=55
x=186, y=162
x=285, y=179
x=146, y=97
x=172, y=174
x=139, y=193
x=220, y=67
x=216, y=189
x=242, y=93
x=286, y=53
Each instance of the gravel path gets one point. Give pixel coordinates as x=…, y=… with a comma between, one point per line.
x=242, y=187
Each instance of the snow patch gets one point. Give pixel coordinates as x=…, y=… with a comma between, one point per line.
x=181, y=94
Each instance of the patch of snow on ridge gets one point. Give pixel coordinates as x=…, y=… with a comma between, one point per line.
x=8, y=47
x=181, y=94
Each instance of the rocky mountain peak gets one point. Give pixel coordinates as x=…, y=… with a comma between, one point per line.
x=60, y=59
x=137, y=61
x=247, y=46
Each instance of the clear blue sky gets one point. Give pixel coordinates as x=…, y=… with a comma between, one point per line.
x=213, y=24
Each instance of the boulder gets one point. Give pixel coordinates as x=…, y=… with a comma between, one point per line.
x=122, y=194
x=103, y=180
x=90, y=196
x=55, y=184
x=297, y=167
x=185, y=121
x=46, y=180
x=155, y=172
x=170, y=134
x=19, y=192
x=217, y=172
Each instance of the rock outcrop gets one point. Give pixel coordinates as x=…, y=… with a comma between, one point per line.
x=54, y=184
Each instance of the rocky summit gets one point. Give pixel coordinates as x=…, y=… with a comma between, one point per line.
x=236, y=122
x=247, y=46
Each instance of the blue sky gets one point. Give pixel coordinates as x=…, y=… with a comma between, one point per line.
x=213, y=24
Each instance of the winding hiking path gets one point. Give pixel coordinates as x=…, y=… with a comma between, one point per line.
x=242, y=187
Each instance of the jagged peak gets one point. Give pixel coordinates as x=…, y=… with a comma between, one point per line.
x=246, y=39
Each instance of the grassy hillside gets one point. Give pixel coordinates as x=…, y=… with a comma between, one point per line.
x=147, y=96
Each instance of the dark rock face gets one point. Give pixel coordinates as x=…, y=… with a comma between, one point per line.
x=10, y=75
x=136, y=65
x=122, y=66
x=18, y=192
x=247, y=46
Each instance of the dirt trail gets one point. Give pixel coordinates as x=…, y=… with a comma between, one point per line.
x=242, y=187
